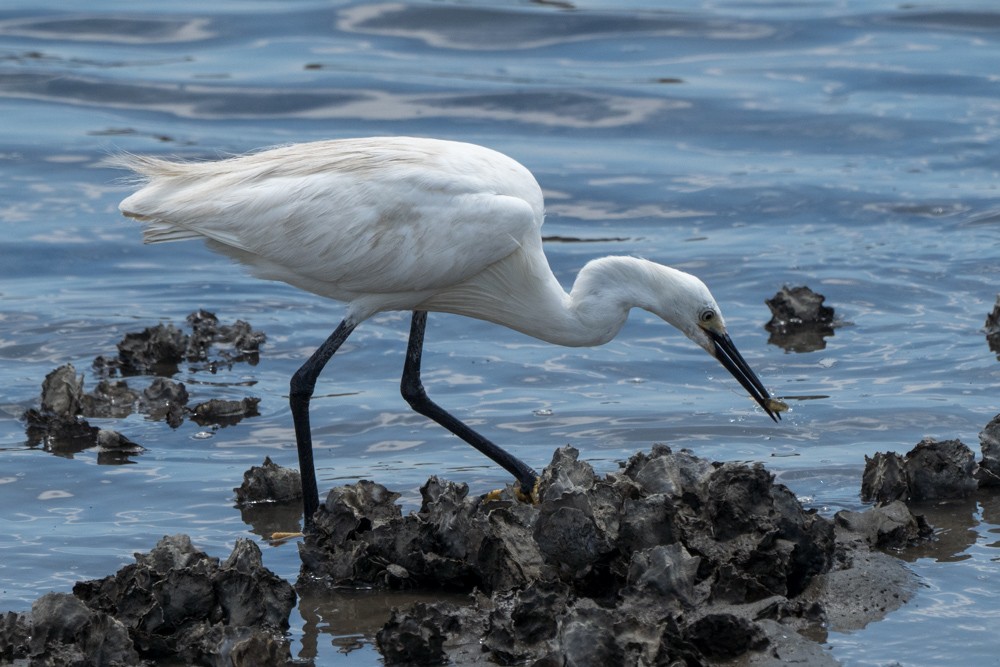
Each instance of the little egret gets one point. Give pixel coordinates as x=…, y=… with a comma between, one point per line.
x=397, y=223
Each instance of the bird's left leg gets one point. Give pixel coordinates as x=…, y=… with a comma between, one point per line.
x=413, y=391
x=300, y=392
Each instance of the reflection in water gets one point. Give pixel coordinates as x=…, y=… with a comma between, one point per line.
x=557, y=109
x=955, y=524
x=458, y=27
x=109, y=29
x=350, y=618
x=267, y=518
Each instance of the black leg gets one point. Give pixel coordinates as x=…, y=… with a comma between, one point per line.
x=302, y=385
x=413, y=392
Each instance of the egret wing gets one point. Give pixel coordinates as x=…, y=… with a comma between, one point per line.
x=391, y=226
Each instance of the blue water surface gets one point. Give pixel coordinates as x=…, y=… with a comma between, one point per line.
x=849, y=146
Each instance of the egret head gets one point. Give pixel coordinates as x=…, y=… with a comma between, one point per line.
x=690, y=307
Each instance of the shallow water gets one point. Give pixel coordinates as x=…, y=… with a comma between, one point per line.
x=849, y=146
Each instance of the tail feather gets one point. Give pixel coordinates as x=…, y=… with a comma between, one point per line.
x=141, y=206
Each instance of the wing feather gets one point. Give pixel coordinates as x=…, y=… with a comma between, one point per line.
x=350, y=216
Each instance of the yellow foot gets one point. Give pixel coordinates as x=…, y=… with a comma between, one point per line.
x=493, y=496
x=532, y=497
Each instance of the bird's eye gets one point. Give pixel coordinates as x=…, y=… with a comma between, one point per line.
x=707, y=316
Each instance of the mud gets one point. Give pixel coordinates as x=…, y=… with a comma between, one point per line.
x=175, y=603
x=799, y=320
x=60, y=423
x=670, y=560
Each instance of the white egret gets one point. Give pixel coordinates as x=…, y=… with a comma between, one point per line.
x=398, y=223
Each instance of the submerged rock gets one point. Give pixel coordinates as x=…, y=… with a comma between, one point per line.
x=799, y=320
x=666, y=559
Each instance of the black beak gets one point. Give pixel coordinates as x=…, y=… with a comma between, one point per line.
x=730, y=357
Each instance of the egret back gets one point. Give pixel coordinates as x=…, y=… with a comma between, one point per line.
x=346, y=218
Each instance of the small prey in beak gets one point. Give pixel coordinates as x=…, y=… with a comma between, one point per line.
x=730, y=357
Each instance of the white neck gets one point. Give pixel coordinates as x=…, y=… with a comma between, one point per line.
x=529, y=299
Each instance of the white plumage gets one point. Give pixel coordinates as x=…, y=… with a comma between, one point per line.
x=400, y=223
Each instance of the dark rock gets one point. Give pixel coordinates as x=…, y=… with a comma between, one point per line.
x=110, y=399
x=269, y=483
x=940, y=470
x=57, y=425
x=891, y=526
x=204, y=327
x=862, y=586
x=989, y=442
x=62, y=436
x=60, y=429
x=62, y=392
x=600, y=571
x=242, y=337
x=60, y=425
x=992, y=327
x=164, y=399
x=667, y=571
x=114, y=448
x=64, y=631
x=207, y=331
x=160, y=348
x=726, y=636
x=799, y=320
x=224, y=412
x=884, y=479
x=524, y=622
x=177, y=603
x=932, y=470
x=414, y=637
x=15, y=633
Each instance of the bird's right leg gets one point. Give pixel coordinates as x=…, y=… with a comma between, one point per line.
x=301, y=390
x=413, y=391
